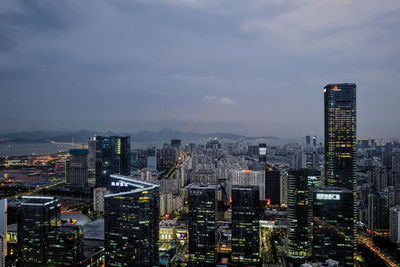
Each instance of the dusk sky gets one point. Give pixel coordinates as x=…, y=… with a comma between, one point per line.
x=253, y=67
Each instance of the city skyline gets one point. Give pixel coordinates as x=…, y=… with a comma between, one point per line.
x=248, y=68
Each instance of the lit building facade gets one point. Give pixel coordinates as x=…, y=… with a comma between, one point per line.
x=299, y=211
x=203, y=205
x=333, y=225
x=341, y=149
x=37, y=216
x=112, y=157
x=245, y=226
x=65, y=246
x=131, y=222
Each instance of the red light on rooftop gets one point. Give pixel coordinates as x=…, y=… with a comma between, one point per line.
x=335, y=88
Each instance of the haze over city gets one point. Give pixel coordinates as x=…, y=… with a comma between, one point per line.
x=248, y=67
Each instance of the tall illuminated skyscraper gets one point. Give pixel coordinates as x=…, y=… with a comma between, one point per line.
x=131, y=222
x=37, y=216
x=245, y=226
x=112, y=157
x=299, y=231
x=340, y=145
x=203, y=206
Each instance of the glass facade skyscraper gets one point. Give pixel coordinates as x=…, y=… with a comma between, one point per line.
x=340, y=148
x=37, y=216
x=79, y=168
x=202, y=225
x=333, y=225
x=273, y=186
x=131, y=223
x=245, y=226
x=112, y=157
x=299, y=231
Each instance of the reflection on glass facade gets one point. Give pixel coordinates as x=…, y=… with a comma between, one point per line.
x=333, y=225
x=112, y=157
x=245, y=226
x=300, y=183
x=273, y=186
x=37, y=216
x=202, y=225
x=340, y=144
x=131, y=222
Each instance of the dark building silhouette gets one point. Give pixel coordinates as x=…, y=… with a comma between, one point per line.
x=272, y=186
x=176, y=142
x=308, y=139
x=131, y=222
x=112, y=157
x=245, y=226
x=252, y=151
x=37, y=217
x=299, y=211
x=333, y=225
x=341, y=148
x=203, y=205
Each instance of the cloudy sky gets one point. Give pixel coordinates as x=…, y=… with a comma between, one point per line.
x=255, y=67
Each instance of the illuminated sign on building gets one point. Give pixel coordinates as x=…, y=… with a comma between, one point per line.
x=312, y=178
x=328, y=196
x=263, y=150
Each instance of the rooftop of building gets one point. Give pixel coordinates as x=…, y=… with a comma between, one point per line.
x=124, y=185
x=94, y=230
x=37, y=200
x=331, y=189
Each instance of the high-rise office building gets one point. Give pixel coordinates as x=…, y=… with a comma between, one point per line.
x=314, y=140
x=202, y=201
x=112, y=157
x=68, y=171
x=92, y=153
x=37, y=216
x=333, y=225
x=79, y=168
x=272, y=186
x=65, y=246
x=131, y=223
x=378, y=210
x=262, y=150
x=340, y=135
x=299, y=211
x=341, y=149
x=3, y=230
x=245, y=226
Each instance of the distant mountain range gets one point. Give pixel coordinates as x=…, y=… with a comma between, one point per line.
x=143, y=136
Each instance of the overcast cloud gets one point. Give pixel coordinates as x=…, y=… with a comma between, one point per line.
x=251, y=67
